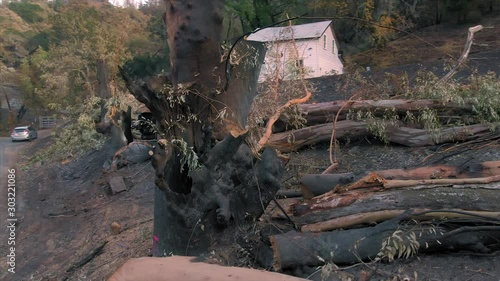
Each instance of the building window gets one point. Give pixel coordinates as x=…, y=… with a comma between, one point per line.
x=299, y=63
x=299, y=67
x=333, y=46
x=324, y=42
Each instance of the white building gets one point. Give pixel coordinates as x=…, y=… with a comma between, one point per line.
x=312, y=46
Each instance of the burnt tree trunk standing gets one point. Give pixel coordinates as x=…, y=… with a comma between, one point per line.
x=205, y=188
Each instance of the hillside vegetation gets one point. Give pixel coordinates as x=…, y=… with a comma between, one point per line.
x=54, y=48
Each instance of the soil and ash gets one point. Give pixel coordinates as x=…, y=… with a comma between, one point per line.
x=68, y=212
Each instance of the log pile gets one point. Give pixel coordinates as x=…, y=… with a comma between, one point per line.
x=393, y=213
x=390, y=213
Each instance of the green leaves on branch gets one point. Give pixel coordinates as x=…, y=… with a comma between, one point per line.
x=189, y=158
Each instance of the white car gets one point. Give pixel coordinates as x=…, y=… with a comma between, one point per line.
x=23, y=133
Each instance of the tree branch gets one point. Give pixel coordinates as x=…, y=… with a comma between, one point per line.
x=465, y=53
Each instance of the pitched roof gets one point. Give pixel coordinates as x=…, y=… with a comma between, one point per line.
x=303, y=31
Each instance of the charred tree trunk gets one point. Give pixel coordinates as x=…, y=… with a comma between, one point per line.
x=205, y=187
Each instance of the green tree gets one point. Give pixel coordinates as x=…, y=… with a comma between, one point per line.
x=79, y=36
x=30, y=12
x=260, y=13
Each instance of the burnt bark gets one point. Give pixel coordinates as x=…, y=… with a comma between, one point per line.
x=295, y=249
x=208, y=178
x=229, y=188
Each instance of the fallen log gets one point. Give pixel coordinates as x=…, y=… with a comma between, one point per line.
x=484, y=169
x=483, y=197
x=380, y=216
x=325, y=112
x=190, y=269
x=295, y=139
x=295, y=249
x=409, y=183
x=485, y=172
x=387, y=240
x=413, y=137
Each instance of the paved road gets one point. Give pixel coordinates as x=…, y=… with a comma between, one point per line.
x=9, y=159
x=9, y=156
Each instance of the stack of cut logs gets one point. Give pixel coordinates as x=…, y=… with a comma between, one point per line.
x=389, y=213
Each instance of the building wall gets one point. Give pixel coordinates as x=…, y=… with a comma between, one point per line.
x=316, y=60
x=328, y=55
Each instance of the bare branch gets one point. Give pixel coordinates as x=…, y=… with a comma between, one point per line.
x=465, y=53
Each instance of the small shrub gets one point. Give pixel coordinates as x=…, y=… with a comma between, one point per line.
x=29, y=12
x=78, y=136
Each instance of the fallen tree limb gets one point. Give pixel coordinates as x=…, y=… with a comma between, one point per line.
x=324, y=112
x=374, y=180
x=335, y=205
x=294, y=249
x=419, y=137
x=409, y=183
x=465, y=53
x=379, y=216
x=412, y=137
x=475, y=173
x=295, y=139
x=484, y=169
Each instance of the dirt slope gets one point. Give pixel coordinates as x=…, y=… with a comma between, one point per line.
x=440, y=42
x=67, y=213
